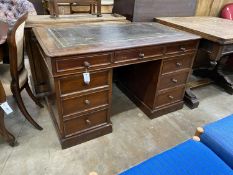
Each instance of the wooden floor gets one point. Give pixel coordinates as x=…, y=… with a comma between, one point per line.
x=134, y=139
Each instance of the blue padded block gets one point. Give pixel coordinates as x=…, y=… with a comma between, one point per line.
x=188, y=158
x=218, y=136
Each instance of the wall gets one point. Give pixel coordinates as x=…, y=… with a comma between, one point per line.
x=210, y=7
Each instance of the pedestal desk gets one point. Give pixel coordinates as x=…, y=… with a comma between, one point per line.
x=151, y=63
x=216, y=44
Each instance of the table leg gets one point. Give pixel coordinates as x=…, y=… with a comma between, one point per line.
x=217, y=75
x=99, y=13
x=190, y=99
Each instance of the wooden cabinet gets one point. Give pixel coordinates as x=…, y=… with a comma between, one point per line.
x=146, y=10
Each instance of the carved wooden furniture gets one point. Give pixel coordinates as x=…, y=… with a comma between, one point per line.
x=91, y=3
x=217, y=43
x=16, y=72
x=3, y=131
x=80, y=109
x=38, y=80
x=3, y=37
x=146, y=10
x=54, y=11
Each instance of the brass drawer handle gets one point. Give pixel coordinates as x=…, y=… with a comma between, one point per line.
x=183, y=49
x=178, y=64
x=174, y=80
x=141, y=55
x=171, y=97
x=87, y=64
x=87, y=102
x=88, y=122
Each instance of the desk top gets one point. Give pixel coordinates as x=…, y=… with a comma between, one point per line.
x=211, y=28
x=92, y=38
x=46, y=20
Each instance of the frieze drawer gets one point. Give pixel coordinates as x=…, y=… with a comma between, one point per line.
x=173, y=79
x=170, y=96
x=138, y=54
x=85, y=122
x=177, y=63
x=83, y=62
x=182, y=47
x=79, y=104
x=76, y=83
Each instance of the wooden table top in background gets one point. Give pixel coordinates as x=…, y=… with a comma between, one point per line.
x=92, y=38
x=212, y=28
x=42, y=20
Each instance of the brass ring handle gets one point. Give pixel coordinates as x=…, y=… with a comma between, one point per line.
x=174, y=80
x=88, y=122
x=87, y=64
x=171, y=97
x=87, y=102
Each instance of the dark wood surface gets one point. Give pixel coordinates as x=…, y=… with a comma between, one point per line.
x=216, y=45
x=156, y=57
x=146, y=10
x=105, y=37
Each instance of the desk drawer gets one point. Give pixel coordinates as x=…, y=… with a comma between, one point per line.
x=126, y=55
x=170, y=96
x=177, y=63
x=85, y=122
x=138, y=54
x=76, y=83
x=79, y=104
x=173, y=79
x=81, y=63
x=182, y=47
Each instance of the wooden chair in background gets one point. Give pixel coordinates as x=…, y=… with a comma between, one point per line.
x=3, y=131
x=16, y=73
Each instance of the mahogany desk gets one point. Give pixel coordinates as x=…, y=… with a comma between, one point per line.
x=38, y=80
x=160, y=60
x=216, y=44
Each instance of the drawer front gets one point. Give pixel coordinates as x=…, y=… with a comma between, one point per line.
x=138, y=54
x=76, y=83
x=126, y=55
x=81, y=63
x=79, y=104
x=85, y=122
x=177, y=63
x=182, y=47
x=170, y=96
x=173, y=79
x=154, y=51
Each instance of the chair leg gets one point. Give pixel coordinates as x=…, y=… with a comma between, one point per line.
x=5, y=133
x=24, y=110
x=29, y=91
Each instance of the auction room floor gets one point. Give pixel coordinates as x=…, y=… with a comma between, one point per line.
x=135, y=137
